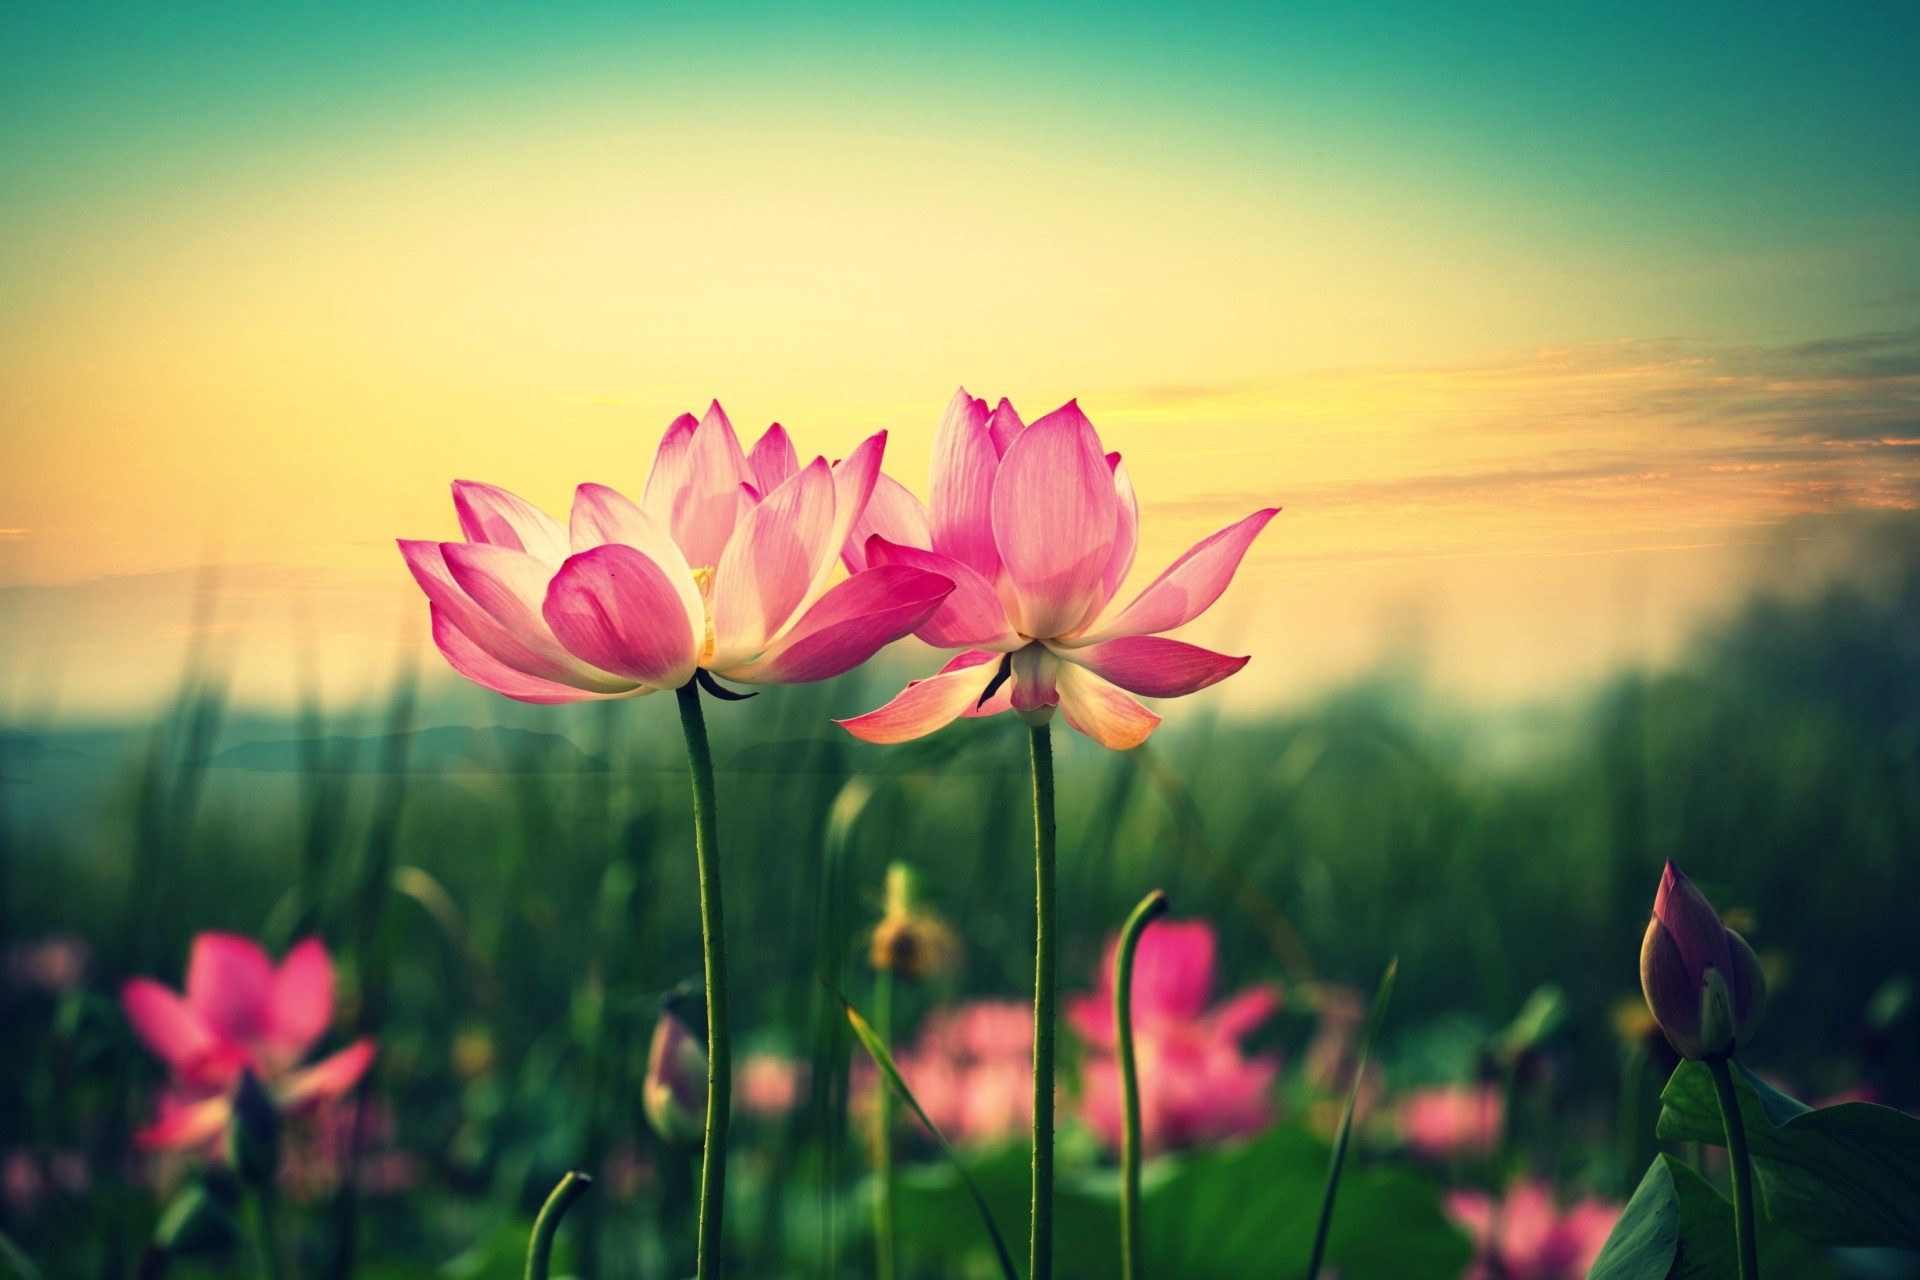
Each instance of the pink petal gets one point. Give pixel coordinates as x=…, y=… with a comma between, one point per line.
x=229, y=981
x=1243, y=1012
x=511, y=588
x=1055, y=515
x=328, y=1078
x=961, y=503
x=1693, y=925
x=492, y=515
x=1101, y=711
x=769, y=564
x=1126, y=534
x=848, y=625
x=1035, y=670
x=167, y=1025
x=617, y=610
x=1091, y=1017
x=929, y=704
x=971, y=617
x=1189, y=585
x=428, y=564
x=1173, y=971
x=1156, y=666
x=854, y=480
x=300, y=1004
x=1003, y=425
x=602, y=515
x=711, y=503
x=772, y=459
x=182, y=1124
x=487, y=671
x=671, y=473
x=891, y=513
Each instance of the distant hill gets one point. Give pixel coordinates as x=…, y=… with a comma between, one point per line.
x=447, y=749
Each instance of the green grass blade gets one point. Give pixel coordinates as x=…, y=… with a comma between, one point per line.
x=1380, y=999
x=884, y=1060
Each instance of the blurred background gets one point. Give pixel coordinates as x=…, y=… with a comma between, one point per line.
x=1581, y=349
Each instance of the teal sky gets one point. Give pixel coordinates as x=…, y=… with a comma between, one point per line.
x=1787, y=137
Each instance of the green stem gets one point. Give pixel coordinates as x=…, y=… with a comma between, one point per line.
x=885, y=1248
x=1743, y=1225
x=1151, y=907
x=540, y=1246
x=713, y=1166
x=266, y=1234
x=1045, y=982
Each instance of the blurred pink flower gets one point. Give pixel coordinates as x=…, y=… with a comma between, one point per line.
x=1036, y=527
x=54, y=964
x=1196, y=1085
x=769, y=1084
x=1526, y=1236
x=723, y=565
x=971, y=1070
x=240, y=1014
x=1444, y=1122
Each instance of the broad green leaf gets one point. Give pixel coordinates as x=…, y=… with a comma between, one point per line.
x=1245, y=1210
x=877, y=1049
x=1843, y=1175
x=1642, y=1243
x=1677, y=1227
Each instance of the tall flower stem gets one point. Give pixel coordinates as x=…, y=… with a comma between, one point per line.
x=713, y=1165
x=883, y=1125
x=1045, y=984
x=266, y=1232
x=1743, y=1226
x=1151, y=907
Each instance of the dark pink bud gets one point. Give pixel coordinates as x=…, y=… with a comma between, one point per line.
x=1701, y=979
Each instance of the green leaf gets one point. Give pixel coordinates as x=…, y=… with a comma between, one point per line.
x=1677, y=1227
x=1244, y=1210
x=877, y=1049
x=1843, y=1175
x=1248, y=1210
x=1642, y=1243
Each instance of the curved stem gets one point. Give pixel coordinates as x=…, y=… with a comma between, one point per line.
x=1045, y=982
x=883, y=1125
x=1151, y=907
x=713, y=1165
x=540, y=1245
x=1743, y=1225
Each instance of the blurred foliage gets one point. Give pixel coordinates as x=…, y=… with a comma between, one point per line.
x=507, y=932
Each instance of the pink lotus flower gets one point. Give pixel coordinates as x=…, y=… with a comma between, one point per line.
x=1526, y=1236
x=1445, y=1122
x=770, y=1084
x=971, y=1070
x=1036, y=528
x=240, y=1014
x=723, y=566
x=1195, y=1083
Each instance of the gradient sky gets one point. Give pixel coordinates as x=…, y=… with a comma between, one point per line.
x=1540, y=322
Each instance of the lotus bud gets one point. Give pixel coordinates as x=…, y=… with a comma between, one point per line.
x=674, y=1095
x=253, y=1133
x=910, y=940
x=1702, y=981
